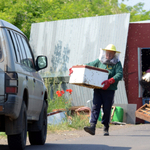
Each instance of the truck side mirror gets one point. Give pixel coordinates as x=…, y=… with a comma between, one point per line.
x=41, y=62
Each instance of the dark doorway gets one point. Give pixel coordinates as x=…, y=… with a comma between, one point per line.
x=145, y=58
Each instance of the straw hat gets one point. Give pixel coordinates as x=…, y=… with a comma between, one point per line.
x=111, y=47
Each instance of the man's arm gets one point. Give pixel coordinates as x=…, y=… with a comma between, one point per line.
x=119, y=72
x=93, y=63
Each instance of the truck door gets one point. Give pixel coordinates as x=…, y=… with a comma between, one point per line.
x=2, y=77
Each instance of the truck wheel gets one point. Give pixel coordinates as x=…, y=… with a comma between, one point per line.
x=18, y=141
x=39, y=137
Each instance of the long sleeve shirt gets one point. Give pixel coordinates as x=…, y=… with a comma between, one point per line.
x=115, y=71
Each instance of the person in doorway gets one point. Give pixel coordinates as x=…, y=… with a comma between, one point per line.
x=145, y=83
x=109, y=60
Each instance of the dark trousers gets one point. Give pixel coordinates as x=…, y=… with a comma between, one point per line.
x=103, y=98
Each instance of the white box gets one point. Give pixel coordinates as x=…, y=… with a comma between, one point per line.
x=88, y=76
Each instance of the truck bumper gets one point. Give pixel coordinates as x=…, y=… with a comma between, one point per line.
x=11, y=107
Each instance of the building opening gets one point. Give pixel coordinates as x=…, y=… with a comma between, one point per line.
x=145, y=68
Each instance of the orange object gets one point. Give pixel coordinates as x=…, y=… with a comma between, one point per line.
x=84, y=111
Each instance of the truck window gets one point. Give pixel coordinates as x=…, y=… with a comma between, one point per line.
x=28, y=52
x=17, y=46
x=14, y=45
x=21, y=48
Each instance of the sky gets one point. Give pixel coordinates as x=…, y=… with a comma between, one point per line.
x=133, y=2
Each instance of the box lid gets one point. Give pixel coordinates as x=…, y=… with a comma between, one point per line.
x=90, y=67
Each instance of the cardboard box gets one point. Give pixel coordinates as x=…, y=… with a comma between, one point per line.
x=88, y=76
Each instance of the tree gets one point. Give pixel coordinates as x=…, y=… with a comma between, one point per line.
x=136, y=12
x=23, y=13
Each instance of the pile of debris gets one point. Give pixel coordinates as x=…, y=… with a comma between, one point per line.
x=59, y=115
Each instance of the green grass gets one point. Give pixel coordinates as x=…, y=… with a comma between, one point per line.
x=76, y=123
x=62, y=102
x=57, y=102
x=3, y=135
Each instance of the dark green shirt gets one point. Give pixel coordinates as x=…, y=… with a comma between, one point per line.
x=115, y=71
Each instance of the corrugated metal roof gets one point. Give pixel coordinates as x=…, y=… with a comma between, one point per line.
x=77, y=41
x=144, y=21
x=81, y=95
x=84, y=96
x=120, y=94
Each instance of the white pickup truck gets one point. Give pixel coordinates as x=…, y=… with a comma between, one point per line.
x=23, y=95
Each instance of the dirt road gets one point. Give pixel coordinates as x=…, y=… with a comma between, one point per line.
x=64, y=135
x=61, y=135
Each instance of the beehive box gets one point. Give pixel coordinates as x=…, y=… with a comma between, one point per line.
x=88, y=76
x=143, y=112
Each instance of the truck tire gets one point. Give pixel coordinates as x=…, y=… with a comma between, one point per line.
x=18, y=141
x=39, y=137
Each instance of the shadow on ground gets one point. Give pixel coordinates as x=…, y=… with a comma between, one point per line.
x=68, y=147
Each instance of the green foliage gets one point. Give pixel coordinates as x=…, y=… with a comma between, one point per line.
x=59, y=127
x=57, y=101
x=136, y=12
x=3, y=135
x=23, y=13
x=77, y=122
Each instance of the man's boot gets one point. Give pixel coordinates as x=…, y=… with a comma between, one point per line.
x=90, y=129
x=106, y=131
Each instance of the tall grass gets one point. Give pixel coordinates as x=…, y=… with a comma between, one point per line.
x=55, y=101
x=76, y=123
x=61, y=102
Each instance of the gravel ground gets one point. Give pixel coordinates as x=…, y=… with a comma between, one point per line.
x=80, y=133
x=61, y=135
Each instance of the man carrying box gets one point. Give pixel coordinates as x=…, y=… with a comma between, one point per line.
x=109, y=60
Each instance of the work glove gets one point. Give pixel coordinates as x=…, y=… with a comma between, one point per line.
x=146, y=77
x=70, y=71
x=107, y=83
